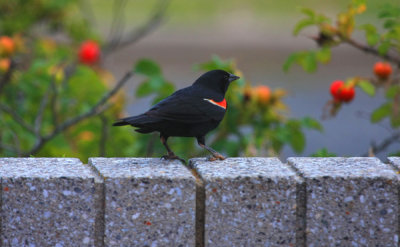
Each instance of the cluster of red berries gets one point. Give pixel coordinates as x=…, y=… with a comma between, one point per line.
x=261, y=94
x=343, y=92
x=7, y=49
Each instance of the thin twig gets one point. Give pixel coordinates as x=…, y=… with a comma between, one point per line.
x=384, y=144
x=372, y=50
x=8, y=148
x=140, y=32
x=94, y=110
x=117, y=24
x=104, y=135
x=42, y=107
x=7, y=76
x=17, y=118
x=53, y=103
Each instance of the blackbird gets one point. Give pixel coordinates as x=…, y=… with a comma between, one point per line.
x=189, y=112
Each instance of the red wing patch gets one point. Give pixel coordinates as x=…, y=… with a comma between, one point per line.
x=221, y=104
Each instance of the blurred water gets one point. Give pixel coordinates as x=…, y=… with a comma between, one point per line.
x=260, y=56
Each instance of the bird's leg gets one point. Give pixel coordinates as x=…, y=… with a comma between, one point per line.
x=215, y=154
x=171, y=155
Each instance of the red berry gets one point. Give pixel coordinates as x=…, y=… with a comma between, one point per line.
x=89, y=52
x=4, y=65
x=7, y=45
x=347, y=93
x=263, y=94
x=335, y=86
x=382, y=70
x=341, y=92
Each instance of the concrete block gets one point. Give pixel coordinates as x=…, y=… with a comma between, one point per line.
x=48, y=202
x=250, y=202
x=148, y=202
x=350, y=201
x=395, y=162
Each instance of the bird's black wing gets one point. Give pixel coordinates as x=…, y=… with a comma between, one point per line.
x=186, y=106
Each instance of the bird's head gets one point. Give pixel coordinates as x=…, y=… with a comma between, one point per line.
x=217, y=80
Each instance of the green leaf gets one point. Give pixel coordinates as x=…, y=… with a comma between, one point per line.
x=306, y=59
x=289, y=62
x=373, y=39
x=297, y=141
x=324, y=55
x=381, y=112
x=309, y=62
x=301, y=25
x=309, y=12
x=384, y=47
x=323, y=152
x=367, y=87
x=311, y=123
x=147, y=67
x=389, y=11
x=395, y=120
x=152, y=85
x=392, y=91
x=144, y=89
x=371, y=34
x=389, y=24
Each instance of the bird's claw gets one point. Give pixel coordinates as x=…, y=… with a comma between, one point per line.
x=172, y=157
x=216, y=157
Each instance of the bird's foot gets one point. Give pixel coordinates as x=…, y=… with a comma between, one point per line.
x=216, y=156
x=172, y=156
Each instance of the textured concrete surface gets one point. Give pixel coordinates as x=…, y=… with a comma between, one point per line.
x=148, y=202
x=350, y=201
x=395, y=162
x=249, y=202
x=47, y=202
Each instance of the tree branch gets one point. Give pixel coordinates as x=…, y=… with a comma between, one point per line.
x=117, y=25
x=384, y=144
x=372, y=51
x=94, y=110
x=7, y=76
x=17, y=118
x=140, y=32
x=42, y=107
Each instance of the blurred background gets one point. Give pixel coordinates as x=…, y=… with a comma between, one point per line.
x=258, y=36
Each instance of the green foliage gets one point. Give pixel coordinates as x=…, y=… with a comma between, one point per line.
x=323, y=152
x=367, y=87
x=155, y=82
x=257, y=126
x=311, y=19
x=250, y=127
x=46, y=88
x=382, y=42
x=308, y=60
x=371, y=34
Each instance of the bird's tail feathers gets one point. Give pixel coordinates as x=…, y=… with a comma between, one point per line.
x=136, y=121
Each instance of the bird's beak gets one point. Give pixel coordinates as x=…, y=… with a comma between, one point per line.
x=233, y=77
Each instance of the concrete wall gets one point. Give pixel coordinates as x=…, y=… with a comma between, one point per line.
x=236, y=202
